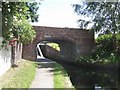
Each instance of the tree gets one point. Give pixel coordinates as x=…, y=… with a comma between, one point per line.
x=15, y=23
x=13, y=14
x=105, y=17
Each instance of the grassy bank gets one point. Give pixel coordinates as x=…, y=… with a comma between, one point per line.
x=19, y=77
x=61, y=78
x=22, y=76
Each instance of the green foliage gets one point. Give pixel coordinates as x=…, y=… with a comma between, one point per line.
x=15, y=17
x=111, y=59
x=61, y=77
x=85, y=59
x=4, y=44
x=105, y=49
x=118, y=37
x=32, y=14
x=103, y=52
x=104, y=45
x=25, y=33
x=54, y=45
x=104, y=15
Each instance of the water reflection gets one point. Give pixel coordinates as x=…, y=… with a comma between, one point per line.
x=93, y=79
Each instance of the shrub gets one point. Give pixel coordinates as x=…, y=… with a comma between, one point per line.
x=103, y=52
x=104, y=45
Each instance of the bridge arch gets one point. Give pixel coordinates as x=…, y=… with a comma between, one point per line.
x=73, y=42
x=67, y=48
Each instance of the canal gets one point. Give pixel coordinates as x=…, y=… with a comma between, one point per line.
x=92, y=77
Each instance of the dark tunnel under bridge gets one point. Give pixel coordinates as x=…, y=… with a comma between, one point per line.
x=68, y=50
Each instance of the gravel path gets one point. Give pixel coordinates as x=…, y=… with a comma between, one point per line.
x=44, y=77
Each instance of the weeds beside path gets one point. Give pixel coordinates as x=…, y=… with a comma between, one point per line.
x=61, y=78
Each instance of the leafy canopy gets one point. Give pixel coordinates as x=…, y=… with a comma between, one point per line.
x=105, y=16
x=15, y=20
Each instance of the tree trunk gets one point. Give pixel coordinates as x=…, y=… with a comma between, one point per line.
x=13, y=56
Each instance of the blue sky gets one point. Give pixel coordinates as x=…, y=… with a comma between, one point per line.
x=57, y=13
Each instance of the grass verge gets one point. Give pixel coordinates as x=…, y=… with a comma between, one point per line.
x=19, y=77
x=61, y=78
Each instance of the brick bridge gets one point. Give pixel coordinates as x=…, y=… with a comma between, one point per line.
x=73, y=42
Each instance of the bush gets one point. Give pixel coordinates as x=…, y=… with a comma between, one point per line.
x=103, y=52
x=27, y=34
x=104, y=45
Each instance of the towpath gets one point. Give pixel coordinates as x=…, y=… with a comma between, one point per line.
x=44, y=77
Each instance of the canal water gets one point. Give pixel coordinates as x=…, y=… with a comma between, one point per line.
x=85, y=77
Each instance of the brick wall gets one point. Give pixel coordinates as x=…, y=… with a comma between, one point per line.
x=83, y=39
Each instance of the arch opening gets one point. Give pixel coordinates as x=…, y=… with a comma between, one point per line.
x=56, y=49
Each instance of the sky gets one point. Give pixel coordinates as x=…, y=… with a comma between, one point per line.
x=57, y=13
